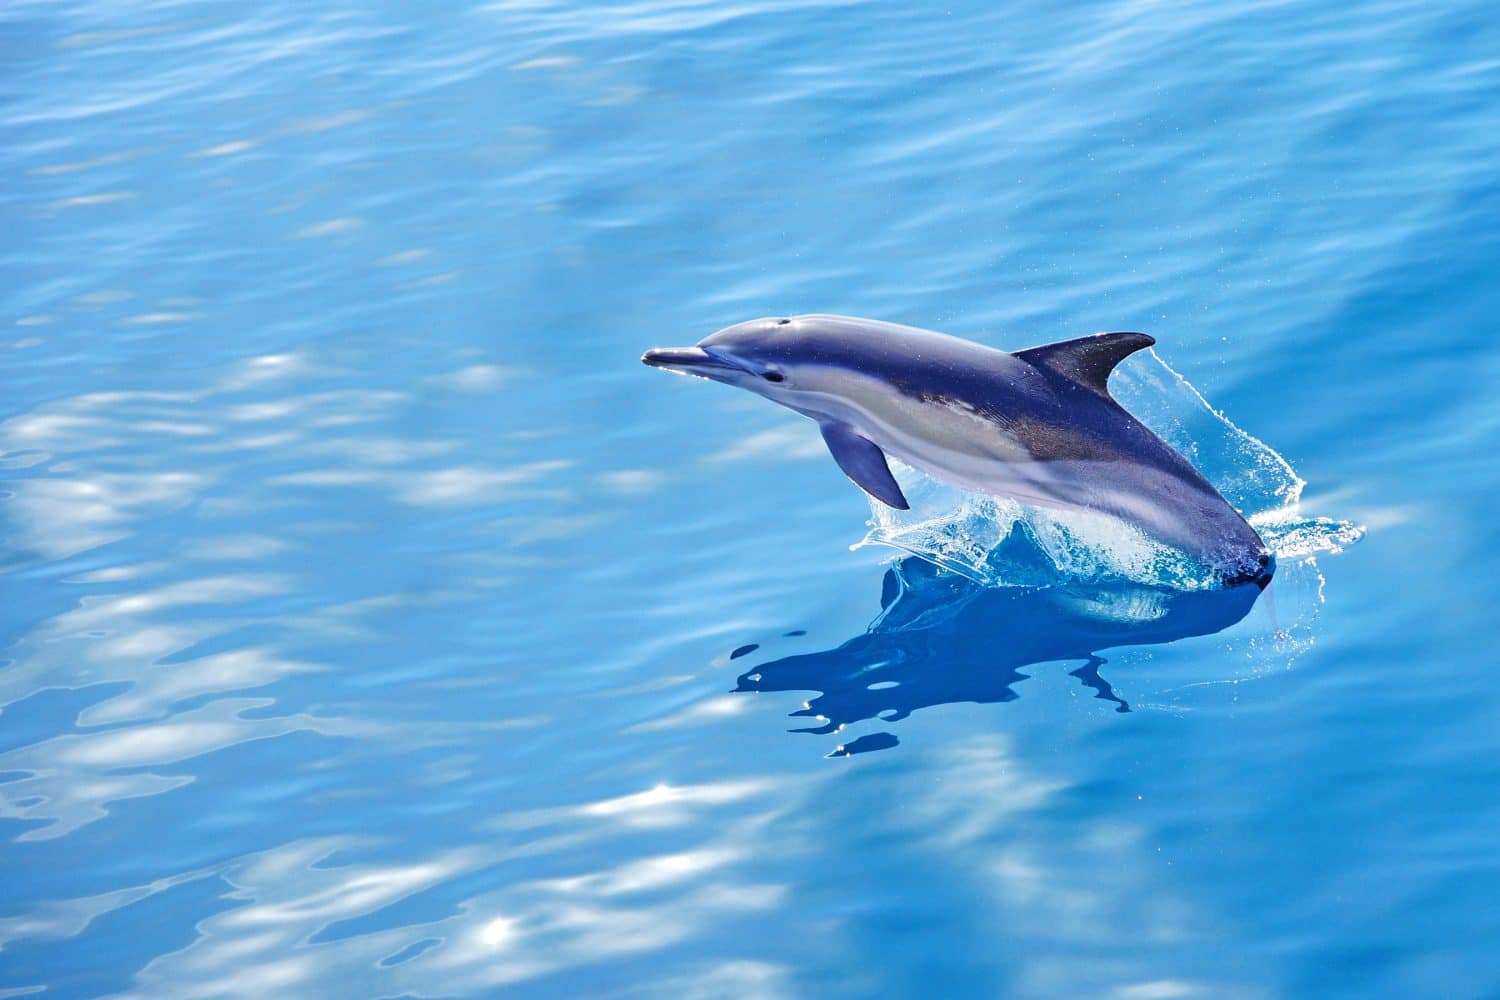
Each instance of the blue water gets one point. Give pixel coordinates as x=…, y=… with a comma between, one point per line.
x=374, y=624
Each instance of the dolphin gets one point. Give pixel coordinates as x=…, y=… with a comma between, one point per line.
x=1037, y=425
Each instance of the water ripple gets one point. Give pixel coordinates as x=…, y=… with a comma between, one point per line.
x=371, y=623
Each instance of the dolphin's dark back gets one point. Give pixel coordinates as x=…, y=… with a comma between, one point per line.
x=1055, y=417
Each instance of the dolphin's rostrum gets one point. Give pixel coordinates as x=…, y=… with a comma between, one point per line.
x=1038, y=425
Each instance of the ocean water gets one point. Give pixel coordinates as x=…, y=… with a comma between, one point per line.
x=373, y=624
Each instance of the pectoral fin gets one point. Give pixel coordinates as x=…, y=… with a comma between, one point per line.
x=863, y=462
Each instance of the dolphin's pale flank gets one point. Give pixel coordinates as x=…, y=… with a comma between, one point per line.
x=1038, y=425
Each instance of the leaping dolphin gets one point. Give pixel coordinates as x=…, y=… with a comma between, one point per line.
x=1037, y=425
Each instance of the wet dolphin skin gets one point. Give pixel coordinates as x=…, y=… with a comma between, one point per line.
x=1037, y=425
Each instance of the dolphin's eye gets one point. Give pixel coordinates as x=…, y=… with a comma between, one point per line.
x=773, y=376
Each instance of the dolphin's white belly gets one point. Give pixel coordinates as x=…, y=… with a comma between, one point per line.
x=944, y=439
x=958, y=445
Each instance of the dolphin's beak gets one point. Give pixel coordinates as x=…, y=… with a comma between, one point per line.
x=687, y=361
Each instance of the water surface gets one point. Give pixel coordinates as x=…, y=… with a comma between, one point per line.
x=370, y=614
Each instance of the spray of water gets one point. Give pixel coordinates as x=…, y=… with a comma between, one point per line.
x=1001, y=542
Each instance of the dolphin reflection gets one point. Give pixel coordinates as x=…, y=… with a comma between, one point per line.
x=941, y=638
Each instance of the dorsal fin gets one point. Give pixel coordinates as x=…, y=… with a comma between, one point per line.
x=1087, y=360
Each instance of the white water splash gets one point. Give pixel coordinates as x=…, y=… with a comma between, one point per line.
x=1001, y=542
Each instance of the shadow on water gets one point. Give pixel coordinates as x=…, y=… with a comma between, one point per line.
x=941, y=638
